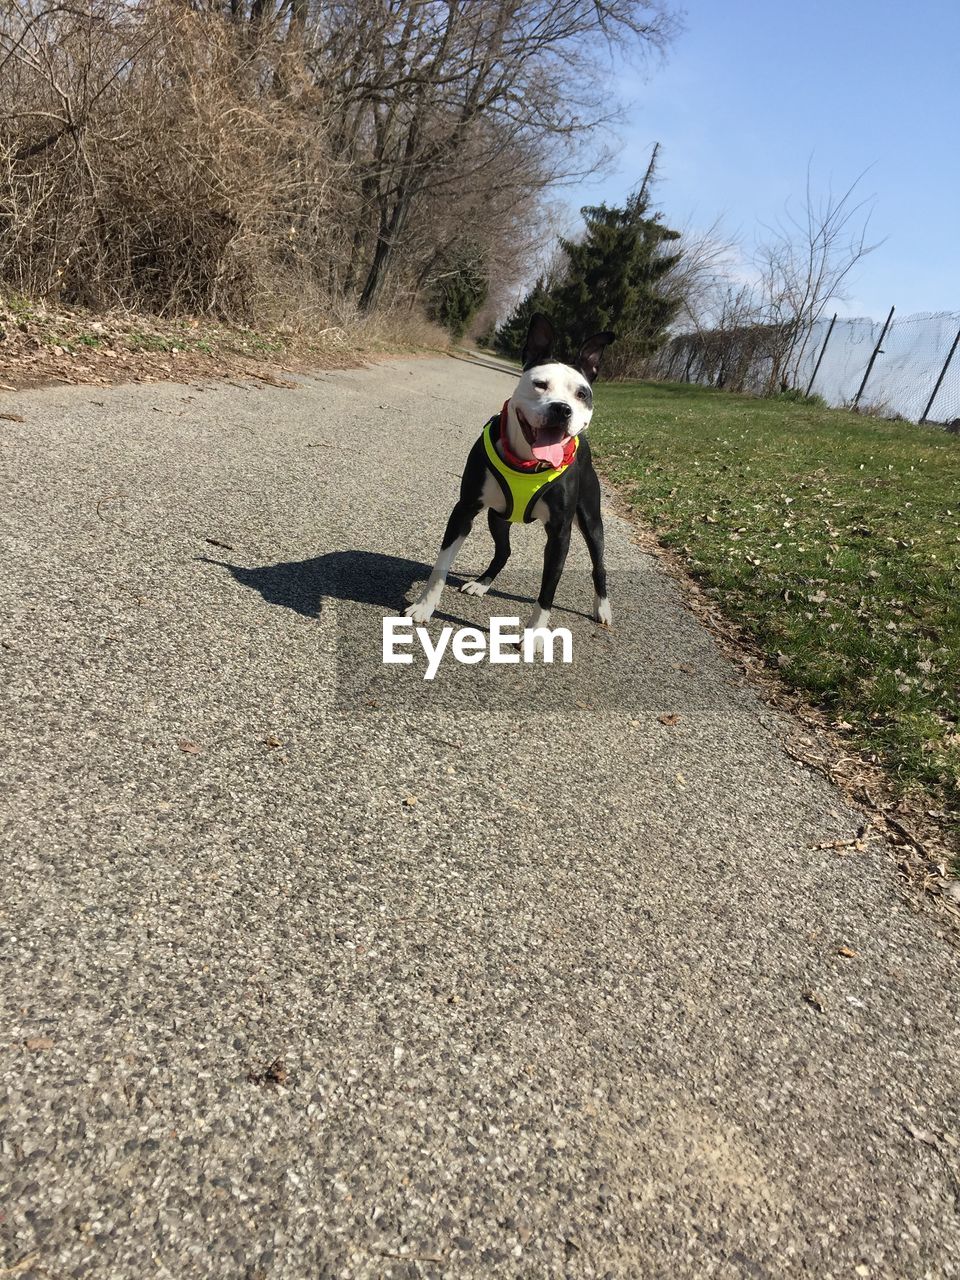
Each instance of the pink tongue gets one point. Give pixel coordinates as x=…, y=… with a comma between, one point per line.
x=552, y=453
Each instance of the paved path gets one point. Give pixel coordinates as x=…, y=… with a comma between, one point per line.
x=314, y=969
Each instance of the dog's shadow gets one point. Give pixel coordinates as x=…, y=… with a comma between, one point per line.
x=363, y=577
x=360, y=577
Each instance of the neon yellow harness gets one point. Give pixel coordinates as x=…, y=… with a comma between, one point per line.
x=521, y=489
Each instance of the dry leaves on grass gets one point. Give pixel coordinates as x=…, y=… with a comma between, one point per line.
x=45, y=344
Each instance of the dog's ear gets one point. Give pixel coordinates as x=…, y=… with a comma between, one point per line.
x=539, y=343
x=591, y=353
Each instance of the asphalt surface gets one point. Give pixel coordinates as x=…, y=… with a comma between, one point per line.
x=312, y=968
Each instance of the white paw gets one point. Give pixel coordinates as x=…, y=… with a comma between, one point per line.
x=539, y=618
x=422, y=611
x=475, y=587
x=602, y=611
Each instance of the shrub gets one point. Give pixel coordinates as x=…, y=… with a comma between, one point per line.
x=171, y=181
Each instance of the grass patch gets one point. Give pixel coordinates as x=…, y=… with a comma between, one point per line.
x=833, y=539
x=154, y=342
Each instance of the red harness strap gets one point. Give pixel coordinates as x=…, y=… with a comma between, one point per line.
x=528, y=464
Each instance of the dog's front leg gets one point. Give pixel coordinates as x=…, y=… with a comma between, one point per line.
x=458, y=526
x=554, y=558
x=500, y=532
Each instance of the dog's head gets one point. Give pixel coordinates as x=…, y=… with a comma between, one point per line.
x=553, y=402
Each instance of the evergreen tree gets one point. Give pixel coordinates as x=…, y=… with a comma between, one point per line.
x=612, y=278
x=458, y=294
x=512, y=334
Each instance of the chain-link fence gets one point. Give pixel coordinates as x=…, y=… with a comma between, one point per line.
x=906, y=367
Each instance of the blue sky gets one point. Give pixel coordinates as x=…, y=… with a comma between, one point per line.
x=752, y=89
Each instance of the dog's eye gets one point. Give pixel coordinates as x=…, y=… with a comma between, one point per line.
x=540, y=384
x=584, y=394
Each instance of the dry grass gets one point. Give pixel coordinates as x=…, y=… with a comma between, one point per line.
x=148, y=159
x=170, y=201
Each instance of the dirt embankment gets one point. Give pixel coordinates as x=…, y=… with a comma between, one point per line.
x=40, y=346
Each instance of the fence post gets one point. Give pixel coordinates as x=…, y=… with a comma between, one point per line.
x=943, y=374
x=876, y=352
x=816, y=367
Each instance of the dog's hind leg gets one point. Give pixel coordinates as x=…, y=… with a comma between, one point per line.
x=591, y=526
x=500, y=531
x=458, y=526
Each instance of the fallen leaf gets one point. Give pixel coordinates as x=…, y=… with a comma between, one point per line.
x=271, y=740
x=215, y=542
x=38, y=1042
x=813, y=999
x=922, y=1135
x=681, y=780
x=848, y=952
x=669, y=717
x=410, y=801
x=12, y=417
x=190, y=748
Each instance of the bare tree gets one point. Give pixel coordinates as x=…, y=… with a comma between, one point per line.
x=428, y=80
x=804, y=264
x=701, y=278
x=748, y=325
x=210, y=154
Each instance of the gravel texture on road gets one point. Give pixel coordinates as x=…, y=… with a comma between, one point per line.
x=312, y=968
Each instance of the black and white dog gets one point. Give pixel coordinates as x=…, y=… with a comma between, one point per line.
x=532, y=463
